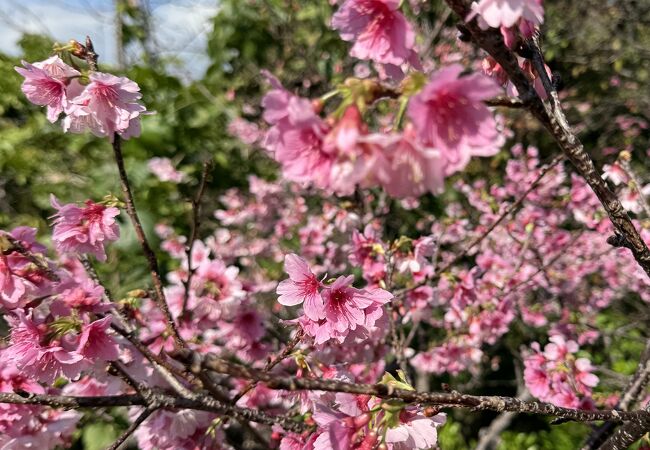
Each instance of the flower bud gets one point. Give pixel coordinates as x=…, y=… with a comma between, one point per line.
x=77, y=49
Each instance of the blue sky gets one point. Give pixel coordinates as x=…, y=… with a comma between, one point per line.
x=180, y=26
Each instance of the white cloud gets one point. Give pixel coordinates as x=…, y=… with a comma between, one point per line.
x=57, y=19
x=180, y=27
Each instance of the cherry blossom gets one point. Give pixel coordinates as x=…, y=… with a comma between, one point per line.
x=557, y=376
x=108, y=105
x=448, y=114
x=49, y=83
x=377, y=28
x=506, y=13
x=165, y=170
x=84, y=229
x=301, y=287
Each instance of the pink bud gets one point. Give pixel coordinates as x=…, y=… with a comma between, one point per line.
x=362, y=420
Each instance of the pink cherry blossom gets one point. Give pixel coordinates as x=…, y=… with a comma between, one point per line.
x=408, y=169
x=296, y=138
x=247, y=132
x=346, y=307
x=354, y=159
x=449, y=115
x=95, y=343
x=506, y=13
x=415, y=431
x=555, y=375
x=84, y=229
x=108, y=105
x=301, y=287
x=49, y=83
x=379, y=31
x=165, y=170
x=20, y=280
x=178, y=430
x=39, y=356
x=85, y=296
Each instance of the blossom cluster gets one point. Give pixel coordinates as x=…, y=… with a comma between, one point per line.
x=557, y=376
x=443, y=121
x=59, y=329
x=448, y=125
x=101, y=103
x=348, y=421
x=336, y=310
x=335, y=286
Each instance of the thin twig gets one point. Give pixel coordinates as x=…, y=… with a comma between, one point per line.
x=476, y=241
x=274, y=361
x=504, y=101
x=91, y=59
x=131, y=429
x=512, y=207
x=16, y=246
x=196, y=222
x=150, y=256
x=627, y=167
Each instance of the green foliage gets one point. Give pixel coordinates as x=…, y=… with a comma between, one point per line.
x=99, y=435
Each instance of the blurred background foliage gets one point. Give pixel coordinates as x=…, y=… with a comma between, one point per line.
x=599, y=47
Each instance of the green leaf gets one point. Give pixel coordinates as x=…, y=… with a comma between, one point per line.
x=98, y=436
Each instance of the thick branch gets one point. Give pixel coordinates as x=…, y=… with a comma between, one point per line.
x=198, y=363
x=631, y=394
x=626, y=435
x=156, y=400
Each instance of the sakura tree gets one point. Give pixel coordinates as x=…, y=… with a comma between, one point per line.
x=302, y=319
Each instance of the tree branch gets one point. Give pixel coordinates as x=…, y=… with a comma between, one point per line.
x=272, y=363
x=513, y=206
x=131, y=429
x=633, y=390
x=196, y=221
x=152, y=262
x=14, y=245
x=154, y=400
x=454, y=399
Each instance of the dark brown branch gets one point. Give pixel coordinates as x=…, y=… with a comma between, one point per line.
x=152, y=357
x=634, y=389
x=626, y=435
x=507, y=102
x=196, y=222
x=489, y=436
x=91, y=57
x=198, y=363
x=150, y=256
x=154, y=401
x=62, y=401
